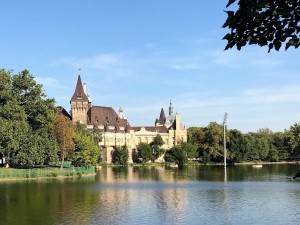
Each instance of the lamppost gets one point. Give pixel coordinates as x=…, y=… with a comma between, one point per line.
x=224, y=129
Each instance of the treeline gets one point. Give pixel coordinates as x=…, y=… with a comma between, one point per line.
x=35, y=132
x=263, y=145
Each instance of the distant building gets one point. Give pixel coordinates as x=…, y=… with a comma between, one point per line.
x=115, y=128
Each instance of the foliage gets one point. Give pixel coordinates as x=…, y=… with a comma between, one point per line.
x=209, y=141
x=120, y=155
x=157, y=151
x=177, y=154
x=282, y=142
x=144, y=152
x=64, y=131
x=263, y=145
x=26, y=120
x=190, y=149
x=263, y=23
x=95, y=136
x=214, y=138
x=158, y=141
x=295, y=140
x=237, y=146
x=86, y=151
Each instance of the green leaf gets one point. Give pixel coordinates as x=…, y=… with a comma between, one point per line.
x=230, y=2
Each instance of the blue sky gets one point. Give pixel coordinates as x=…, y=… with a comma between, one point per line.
x=140, y=54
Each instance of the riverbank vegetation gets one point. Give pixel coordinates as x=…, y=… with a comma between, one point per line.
x=34, y=132
x=263, y=145
x=12, y=173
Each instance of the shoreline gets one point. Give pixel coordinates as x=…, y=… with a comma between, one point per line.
x=76, y=176
x=60, y=177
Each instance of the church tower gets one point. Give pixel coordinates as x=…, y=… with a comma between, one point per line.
x=80, y=103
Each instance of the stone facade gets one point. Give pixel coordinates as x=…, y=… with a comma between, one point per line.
x=116, y=130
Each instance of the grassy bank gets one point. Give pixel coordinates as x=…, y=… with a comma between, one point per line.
x=49, y=172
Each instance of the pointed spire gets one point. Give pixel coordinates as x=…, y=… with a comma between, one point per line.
x=162, y=117
x=171, y=108
x=79, y=94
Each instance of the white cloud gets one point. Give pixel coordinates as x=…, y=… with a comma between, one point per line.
x=239, y=59
x=51, y=82
x=98, y=61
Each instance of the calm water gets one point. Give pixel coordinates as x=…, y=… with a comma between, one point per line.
x=157, y=195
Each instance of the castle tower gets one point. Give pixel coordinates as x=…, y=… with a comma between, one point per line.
x=80, y=103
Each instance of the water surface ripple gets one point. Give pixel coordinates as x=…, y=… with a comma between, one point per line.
x=158, y=195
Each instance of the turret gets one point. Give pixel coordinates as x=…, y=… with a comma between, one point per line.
x=79, y=103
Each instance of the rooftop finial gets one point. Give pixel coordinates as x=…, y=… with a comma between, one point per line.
x=79, y=71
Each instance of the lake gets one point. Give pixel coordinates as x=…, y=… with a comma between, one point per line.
x=240, y=194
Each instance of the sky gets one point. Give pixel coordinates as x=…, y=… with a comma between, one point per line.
x=142, y=54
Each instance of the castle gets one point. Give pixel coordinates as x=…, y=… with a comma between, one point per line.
x=115, y=128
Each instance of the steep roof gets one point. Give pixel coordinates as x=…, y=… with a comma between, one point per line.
x=162, y=117
x=79, y=95
x=107, y=116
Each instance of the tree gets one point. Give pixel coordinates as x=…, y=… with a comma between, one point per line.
x=263, y=22
x=237, y=146
x=214, y=141
x=282, y=142
x=157, y=151
x=295, y=140
x=95, y=136
x=190, y=149
x=86, y=151
x=64, y=131
x=144, y=152
x=177, y=154
x=26, y=120
x=120, y=155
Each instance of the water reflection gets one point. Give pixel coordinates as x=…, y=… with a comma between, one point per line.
x=158, y=195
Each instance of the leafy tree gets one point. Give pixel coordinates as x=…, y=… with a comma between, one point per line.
x=251, y=149
x=295, y=140
x=177, y=154
x=144, y=152
x=263, y=22
x=283, y=142
x=158, y=141
x=13, y=129
x=157, y=151
x=190, y=149
x=26, y=120
x=214, y=138
x=237, y=146
x=196, y=135
x=64, y=131
x=95, y=135
x=86, y=151
x=120, y=155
